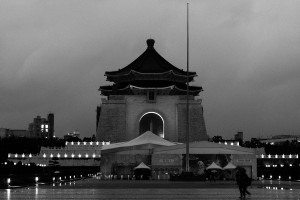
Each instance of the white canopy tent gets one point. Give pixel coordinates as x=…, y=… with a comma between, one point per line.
x=213, y=166
x=229, y=166
x=142, y=166
x=146, y=141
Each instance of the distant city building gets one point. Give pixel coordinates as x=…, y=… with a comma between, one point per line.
x=72, y=135
x=150, y=94
x=239, y=136
x=5, y=132
x=42, y=127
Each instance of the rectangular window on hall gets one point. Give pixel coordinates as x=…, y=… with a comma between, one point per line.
x=151, y=96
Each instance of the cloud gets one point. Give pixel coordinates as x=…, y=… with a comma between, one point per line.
x=54, y=54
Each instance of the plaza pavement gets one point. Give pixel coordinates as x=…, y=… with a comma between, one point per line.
x=98, y=189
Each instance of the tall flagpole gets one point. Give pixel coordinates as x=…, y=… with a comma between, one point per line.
x=187, y=165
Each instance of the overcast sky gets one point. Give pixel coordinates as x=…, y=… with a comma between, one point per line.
x=53, y=56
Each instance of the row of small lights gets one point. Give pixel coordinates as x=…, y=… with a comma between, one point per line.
x=231, y=143
x=275, y=188
x=28, y=164
x=58, y=155
x=279, y=177
x=59, y=178
x=91, y=143
x=281, y=165
x=277, y=156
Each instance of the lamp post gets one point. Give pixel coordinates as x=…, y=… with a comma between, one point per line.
x=187, y=156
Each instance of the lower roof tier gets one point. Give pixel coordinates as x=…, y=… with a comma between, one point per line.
x=134, y=75
x=136, y=90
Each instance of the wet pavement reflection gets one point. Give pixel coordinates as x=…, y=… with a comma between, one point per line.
x=94, y=189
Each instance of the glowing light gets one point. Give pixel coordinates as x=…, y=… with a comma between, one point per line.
x=290, y=156
x=72, y=155
x=271, y=176
x=84, y=143
x=8, y=155
x=8, y=181
x=66, y=155
x=283, y=156
x=262, y=155
x=58, y=155
x=23, y=155
x=36, y=179
x=231, y=143
x=276, y=156
x=66, y=143
x=78, y=143
x=44, y=155
x=72, y=143
x=281, y=165
x=91, y=143
x=94, y=155
x=51, y=155
x=291, y=165
x=225, y=143
x=30, y=155
x=97, y=143
x=279, y=177
x=290, y=177
x=5, y=163
x=86, y=155
x=16, y=155
x=79, y=155
x=53, y=178
x=269, y=156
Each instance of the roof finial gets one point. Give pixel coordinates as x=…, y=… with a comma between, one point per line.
x=150, y=42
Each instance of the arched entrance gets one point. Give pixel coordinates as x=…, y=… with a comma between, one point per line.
x=152, y=121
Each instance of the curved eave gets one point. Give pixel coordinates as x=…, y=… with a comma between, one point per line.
x=131, y=89
x=133, y=75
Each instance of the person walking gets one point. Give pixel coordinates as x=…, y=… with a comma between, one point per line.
x=243, y=181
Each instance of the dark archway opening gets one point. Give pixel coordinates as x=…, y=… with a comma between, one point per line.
x=152, y=122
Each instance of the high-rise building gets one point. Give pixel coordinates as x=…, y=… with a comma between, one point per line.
x=239, y=136
x=42, y=127
x=150, y=94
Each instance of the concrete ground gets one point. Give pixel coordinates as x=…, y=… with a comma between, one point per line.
x=98, y=189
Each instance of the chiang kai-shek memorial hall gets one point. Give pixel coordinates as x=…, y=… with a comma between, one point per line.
x=150, y=94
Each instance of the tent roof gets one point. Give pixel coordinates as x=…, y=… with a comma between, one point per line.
x=142, y=166
x=213, y=166
x=148, y=138
x=229, y=166
x=204, y=147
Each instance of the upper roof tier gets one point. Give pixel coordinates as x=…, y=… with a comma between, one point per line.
x=149, y=66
